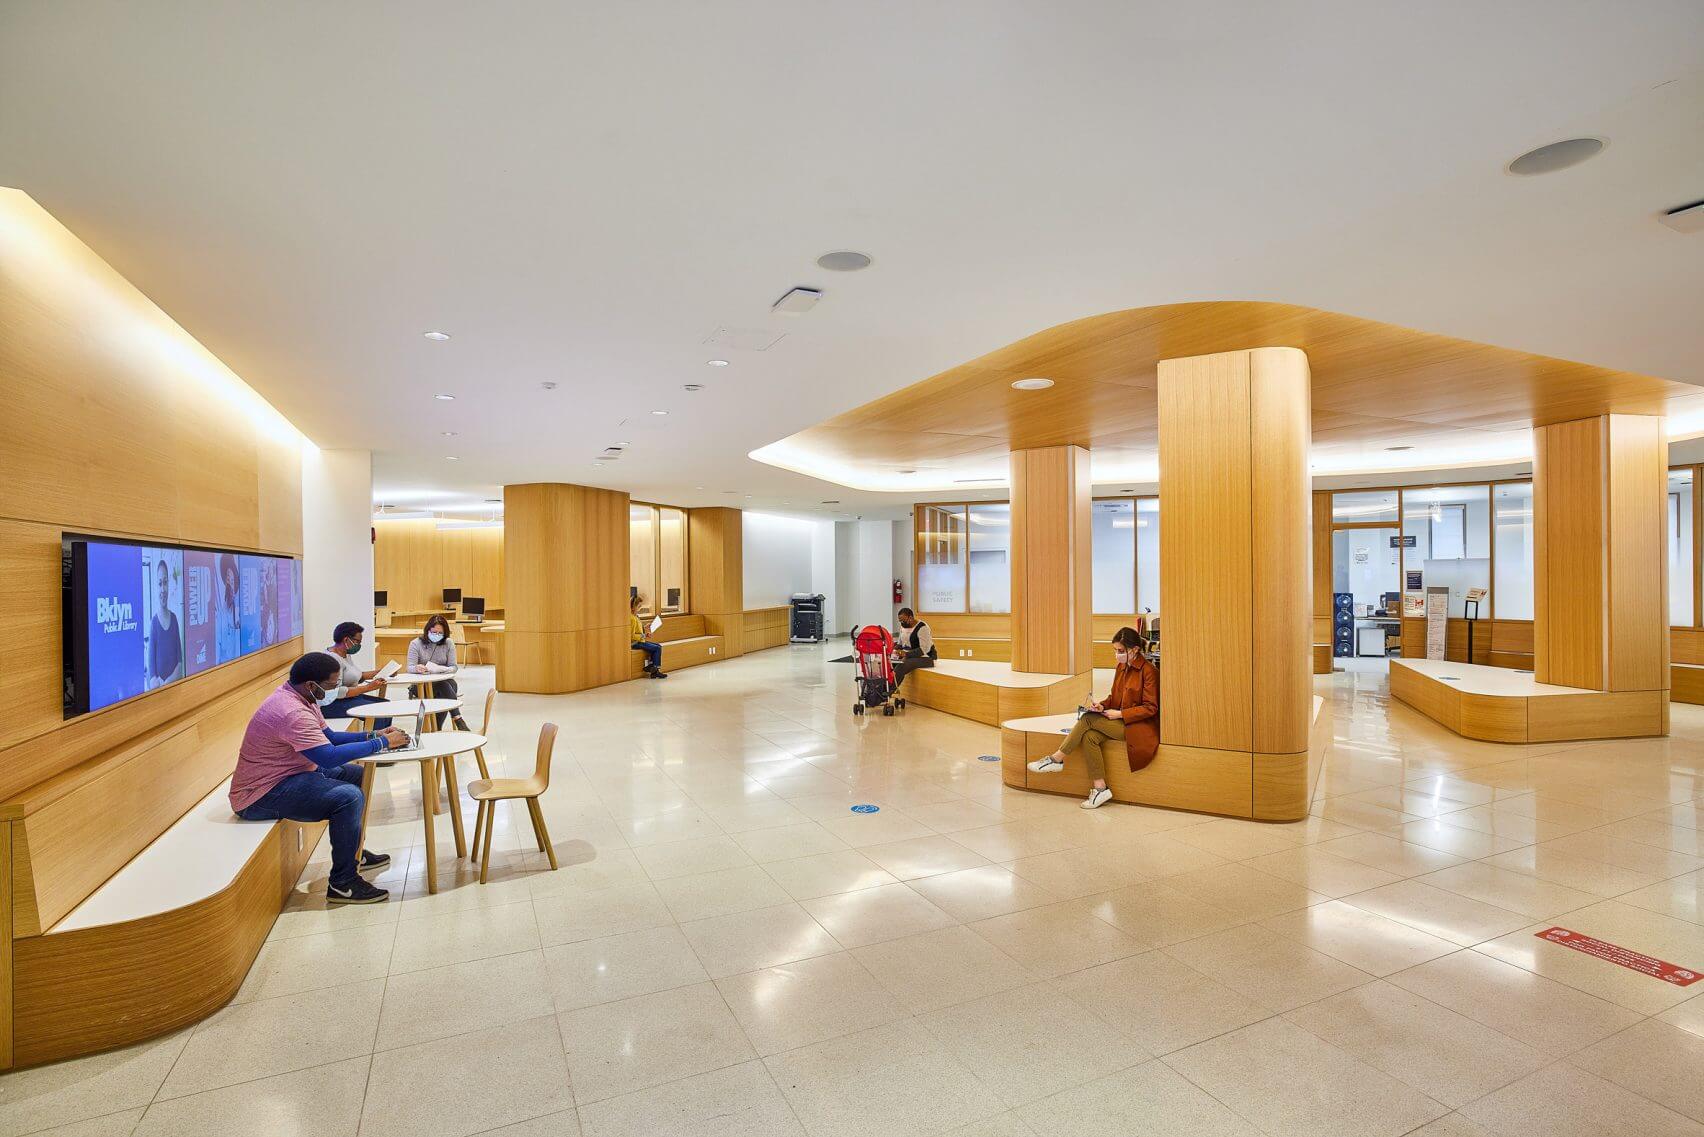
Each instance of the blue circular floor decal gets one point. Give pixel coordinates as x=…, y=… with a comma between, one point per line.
x=865, y=808
x=987, y=757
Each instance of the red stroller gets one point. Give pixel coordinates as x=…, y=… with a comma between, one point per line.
x=873, y=649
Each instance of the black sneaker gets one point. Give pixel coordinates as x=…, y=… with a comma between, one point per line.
x=371, y=860
x=356, y=891
x=659, y=674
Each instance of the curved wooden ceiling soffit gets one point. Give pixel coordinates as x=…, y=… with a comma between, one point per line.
x=1375, y=385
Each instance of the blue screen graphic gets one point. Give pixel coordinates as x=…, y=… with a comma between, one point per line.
x=149, y=615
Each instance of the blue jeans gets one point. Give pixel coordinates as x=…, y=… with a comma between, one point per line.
x=332, y=795
x=653, y=654
x=340, y=709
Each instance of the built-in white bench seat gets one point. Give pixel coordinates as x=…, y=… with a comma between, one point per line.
x=992, y=692
x=1498, y=704
x=197, y=858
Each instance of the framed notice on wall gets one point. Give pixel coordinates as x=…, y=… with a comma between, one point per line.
x=1437, y=620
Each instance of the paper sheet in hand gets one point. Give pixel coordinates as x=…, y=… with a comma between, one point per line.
x=389, y=669
x=656, y=622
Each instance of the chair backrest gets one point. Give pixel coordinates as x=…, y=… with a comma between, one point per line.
x=490, y=705
x=546, y=745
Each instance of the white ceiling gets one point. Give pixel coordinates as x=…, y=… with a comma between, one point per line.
x=582, y=193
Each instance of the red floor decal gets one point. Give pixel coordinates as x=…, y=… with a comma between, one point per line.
x=1632, y=960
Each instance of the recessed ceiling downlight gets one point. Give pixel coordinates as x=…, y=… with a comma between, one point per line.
x=843, y=260
x=445, y=398
x=1556, y=156
x=437, y=337
x=1032, y=384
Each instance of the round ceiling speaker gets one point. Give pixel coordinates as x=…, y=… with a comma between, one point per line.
x=1556, y=156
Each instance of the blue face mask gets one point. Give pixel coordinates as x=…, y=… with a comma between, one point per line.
x=435, y=637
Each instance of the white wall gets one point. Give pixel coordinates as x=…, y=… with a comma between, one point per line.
x=870, y=572
x=845, y=576
x=901, y=569
x=777, y=554
x=824, y=578
x=337, y=544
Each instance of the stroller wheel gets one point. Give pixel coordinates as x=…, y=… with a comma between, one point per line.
x=887, y=710
x=857, y=708
x=900, y=703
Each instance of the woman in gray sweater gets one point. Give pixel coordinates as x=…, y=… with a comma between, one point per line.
x=433, y=648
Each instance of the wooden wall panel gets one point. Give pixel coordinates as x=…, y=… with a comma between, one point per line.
x=968, y=625
x=566, y=562
x=1050, y=560
x=715, y=555
x=1637, y=616
x=117, y=420
x=117, y=423
x=1599, y=570
x=414, y=561
x=1322, y=583
x=1235, y=567
x=1206, y=560
x=1282, y=550
x=1569, y=477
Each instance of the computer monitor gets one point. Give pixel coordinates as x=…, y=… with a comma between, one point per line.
x=674, y=598
x=632, y=592
x=473, y=606
x=381, y=599
x=452, y=596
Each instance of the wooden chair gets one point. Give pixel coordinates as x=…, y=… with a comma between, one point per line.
x=489, y=791
x=479, y=756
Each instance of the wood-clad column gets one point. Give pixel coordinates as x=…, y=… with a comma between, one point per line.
x=715, y=568
x=565, y=568
x=1051, y=494
x=1236, y=602
x=1600, y=584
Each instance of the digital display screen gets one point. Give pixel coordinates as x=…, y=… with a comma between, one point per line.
x=141, y=616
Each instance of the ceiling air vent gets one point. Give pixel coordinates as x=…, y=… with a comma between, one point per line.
x=1685, y=218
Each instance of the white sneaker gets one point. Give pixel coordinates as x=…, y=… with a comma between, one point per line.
x=1046, y=765
x=1098, y=798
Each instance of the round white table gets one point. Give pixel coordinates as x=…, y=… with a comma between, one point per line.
x=434, y=750
x=403, y=709
x=411, y=681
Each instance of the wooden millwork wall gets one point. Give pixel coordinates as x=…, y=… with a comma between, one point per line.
x=715, y=552
x=117, y=423
x=1050, y=559
x=1600, y=581
x=414, y=561
x=1235, y=567
x=566, y=561
x=1321, y=647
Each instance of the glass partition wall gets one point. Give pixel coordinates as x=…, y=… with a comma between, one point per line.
x=1465, y=536
x=657, y=548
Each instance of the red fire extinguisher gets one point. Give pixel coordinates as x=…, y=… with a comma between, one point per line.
x=898, y=591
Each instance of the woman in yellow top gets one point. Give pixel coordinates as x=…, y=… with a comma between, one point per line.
x=636, y=632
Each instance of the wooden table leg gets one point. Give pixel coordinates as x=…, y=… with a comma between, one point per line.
x=429, y=777
x=452, y=793
x=367, y=773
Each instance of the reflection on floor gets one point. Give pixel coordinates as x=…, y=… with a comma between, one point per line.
x=728, y=949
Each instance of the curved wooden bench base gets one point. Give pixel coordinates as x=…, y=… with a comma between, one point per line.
x=1261, y=787
x=1493, y=704
x=95, y=988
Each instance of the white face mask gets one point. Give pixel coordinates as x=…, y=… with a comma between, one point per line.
x=1122, y=657
x=435, y=637
x=329, y=696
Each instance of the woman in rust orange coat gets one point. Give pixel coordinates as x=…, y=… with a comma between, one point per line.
x=1129, y=714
